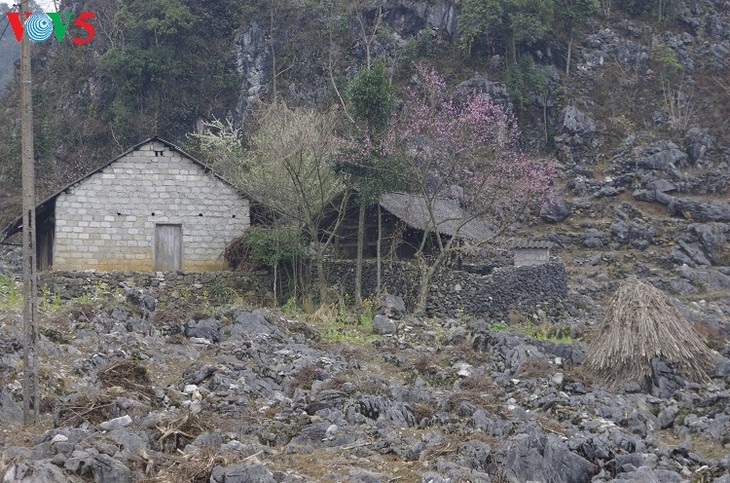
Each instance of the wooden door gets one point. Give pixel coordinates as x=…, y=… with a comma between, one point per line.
x=168, y=248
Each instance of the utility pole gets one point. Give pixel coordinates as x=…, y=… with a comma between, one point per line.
x=30, y=280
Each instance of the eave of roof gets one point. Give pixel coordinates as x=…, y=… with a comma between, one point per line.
x=45, y=205
x=531, y=244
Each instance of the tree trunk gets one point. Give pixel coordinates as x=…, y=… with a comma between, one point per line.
x=544, y=116
x=378, y=253
x=423, y=285
x=567, y=62
x=321, y=279
x=273, y=53
x=358, y=264
x=275, y=298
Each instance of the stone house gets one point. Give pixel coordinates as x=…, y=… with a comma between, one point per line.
x=153, y=208
x=527, y=253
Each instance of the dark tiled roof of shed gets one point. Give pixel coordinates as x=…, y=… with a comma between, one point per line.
x=450, y=218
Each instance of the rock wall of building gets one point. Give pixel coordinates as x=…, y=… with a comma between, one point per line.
x=452, y=292
x=107, y=221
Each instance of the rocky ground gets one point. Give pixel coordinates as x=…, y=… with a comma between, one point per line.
x=135, y=389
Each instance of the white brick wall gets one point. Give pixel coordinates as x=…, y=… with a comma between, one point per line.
x=106, y=222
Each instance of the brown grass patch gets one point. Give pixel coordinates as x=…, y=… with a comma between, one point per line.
x=424, y=365
x=702, y=446
x=305, y=377
x=129, y=375
x=535, y=368
x=194, y=467
x=177, y=431
x=89, y=408
x=422, y=411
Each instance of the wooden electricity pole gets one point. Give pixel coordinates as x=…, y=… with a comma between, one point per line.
x=30, y=280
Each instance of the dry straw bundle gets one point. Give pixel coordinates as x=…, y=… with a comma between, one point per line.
x=641, y=323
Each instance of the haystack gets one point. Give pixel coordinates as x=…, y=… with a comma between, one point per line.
x=641, y=324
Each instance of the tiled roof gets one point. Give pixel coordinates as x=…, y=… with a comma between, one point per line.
x=450, y=219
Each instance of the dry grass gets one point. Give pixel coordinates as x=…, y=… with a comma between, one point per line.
x=194, y=467
x=129, y=375
x=704, y=447
x=86, y=408
x=179, y=430
x=641, y=323
x=535, y=368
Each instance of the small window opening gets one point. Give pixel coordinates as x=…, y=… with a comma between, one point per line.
x=159, y=153
x=200, y=214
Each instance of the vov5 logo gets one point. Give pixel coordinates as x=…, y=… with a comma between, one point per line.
x=40, y=26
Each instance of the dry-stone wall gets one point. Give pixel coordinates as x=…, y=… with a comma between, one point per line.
x=205, y=287
x=454, y=291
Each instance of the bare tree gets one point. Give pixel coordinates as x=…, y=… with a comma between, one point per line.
x=289, y=167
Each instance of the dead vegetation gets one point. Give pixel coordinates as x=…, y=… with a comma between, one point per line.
x=641, y=324
x=129, y=375
x=535, y=368
x=86, y=408
x=179, y=430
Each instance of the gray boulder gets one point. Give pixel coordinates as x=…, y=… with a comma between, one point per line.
x=637, y=235
x=10, y=411
x=711, y=279
x=204, y=328
x=712, y=238
x=34, y=472
x=665, y=379
x=383, y=325
x=697, y=142
x=555, y=210
x=247, y=325
x=497, y=91
x=545, y=458
x=662, y=156
x=593, y=239
x=698, y=210
x=666, y=416
x=108, y=470
x=575, y=141
x=392, y=306
x=242, y=474
x=695, y=254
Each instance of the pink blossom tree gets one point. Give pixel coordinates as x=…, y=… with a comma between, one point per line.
x=465, y=147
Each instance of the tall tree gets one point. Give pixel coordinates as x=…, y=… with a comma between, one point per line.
x=371, y=97
x=510, y=23
x=464, y=143
x=157, y=90
x=572, y=15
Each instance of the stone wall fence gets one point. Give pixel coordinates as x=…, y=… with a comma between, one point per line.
x=213, y=288
x=454, y=292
